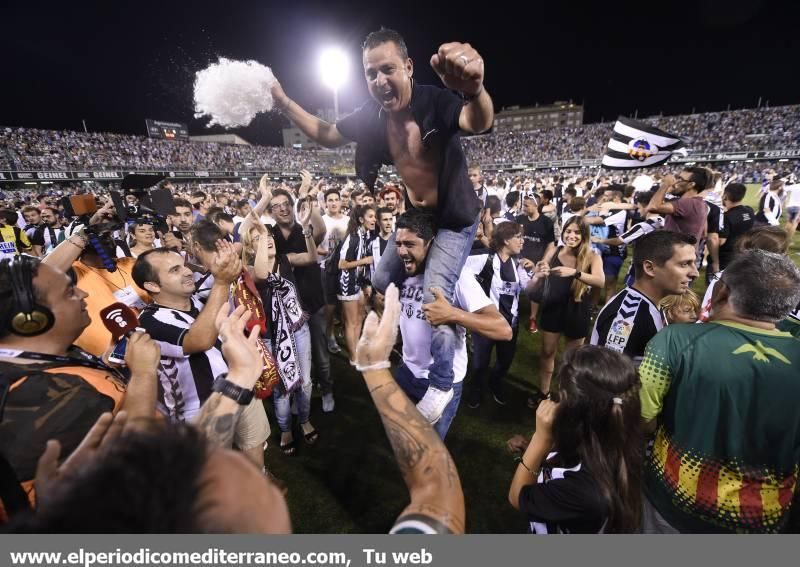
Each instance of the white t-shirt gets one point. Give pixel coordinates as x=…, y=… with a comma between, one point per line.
x=416, y=331
x=335, y=230
x=792, y=195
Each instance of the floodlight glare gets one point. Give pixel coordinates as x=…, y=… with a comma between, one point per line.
x=333, y=66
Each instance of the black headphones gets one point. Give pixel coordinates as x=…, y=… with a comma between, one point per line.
x=31, y=319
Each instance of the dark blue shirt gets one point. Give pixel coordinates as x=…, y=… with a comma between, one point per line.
x=436, y=111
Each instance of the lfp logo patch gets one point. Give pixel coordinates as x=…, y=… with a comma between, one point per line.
x=641, y=149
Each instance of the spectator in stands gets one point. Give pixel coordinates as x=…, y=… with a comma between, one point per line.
x=581, y=471
x=726, y=451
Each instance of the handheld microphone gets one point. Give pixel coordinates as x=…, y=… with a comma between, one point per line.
x=121, y=321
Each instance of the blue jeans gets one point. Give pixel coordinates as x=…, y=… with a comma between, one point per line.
x=446, y=257
x=415, y=388
x=281, y=400
x=482, y=353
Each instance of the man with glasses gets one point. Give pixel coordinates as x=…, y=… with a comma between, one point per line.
x=290, y=240
x=686, y=214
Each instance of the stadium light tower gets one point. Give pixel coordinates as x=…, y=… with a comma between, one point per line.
x=334, y=66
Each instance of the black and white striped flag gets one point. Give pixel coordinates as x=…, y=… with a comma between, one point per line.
x=635, y=144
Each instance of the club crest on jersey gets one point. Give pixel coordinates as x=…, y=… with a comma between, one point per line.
x=641, y=149
x=618, y=335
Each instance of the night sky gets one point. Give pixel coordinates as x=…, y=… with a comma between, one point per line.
x=115, y=63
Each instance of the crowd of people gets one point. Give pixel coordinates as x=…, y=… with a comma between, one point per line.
x=151, y=347
x=31, y=149
x=733, y=130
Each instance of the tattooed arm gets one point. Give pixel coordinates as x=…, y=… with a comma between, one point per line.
x=218, y=417
x=219, y=414
x=428, y=470
x=427, y=467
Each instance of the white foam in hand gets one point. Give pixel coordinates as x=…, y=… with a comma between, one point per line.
x=231, y=93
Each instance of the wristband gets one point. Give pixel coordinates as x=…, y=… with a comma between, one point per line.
x=470, y=98
x=376, y=366
x=521, y=462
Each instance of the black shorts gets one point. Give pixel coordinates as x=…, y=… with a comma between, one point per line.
x=571, y=319
x=330, y=284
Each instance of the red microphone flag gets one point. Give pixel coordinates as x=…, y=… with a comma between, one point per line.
x=119, y=319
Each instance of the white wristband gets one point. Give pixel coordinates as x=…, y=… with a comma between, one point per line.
x=376, y=366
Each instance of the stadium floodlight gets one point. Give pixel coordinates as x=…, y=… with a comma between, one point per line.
x=334, y=66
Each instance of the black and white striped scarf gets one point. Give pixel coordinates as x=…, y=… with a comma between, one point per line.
x=287, y=317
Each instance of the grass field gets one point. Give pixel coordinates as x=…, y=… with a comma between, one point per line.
x=349, y=482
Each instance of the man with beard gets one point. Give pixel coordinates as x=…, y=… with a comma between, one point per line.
x=686, y=214
x=49, y=234
x=471, y=310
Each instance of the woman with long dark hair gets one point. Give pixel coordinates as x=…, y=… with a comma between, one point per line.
x=581, y=471
x=353, y=262
x=563, y=296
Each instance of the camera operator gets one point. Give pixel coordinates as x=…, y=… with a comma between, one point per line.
x=90, y=251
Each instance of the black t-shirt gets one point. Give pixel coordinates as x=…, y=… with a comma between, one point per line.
x=537, y=234
x=436, y=112
x=307, y=279
x=738, y=220
x=716, y=221
x=568, y=501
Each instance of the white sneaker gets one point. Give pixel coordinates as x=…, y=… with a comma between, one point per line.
x=328, y=403
x=432, y=404
x=333, y=346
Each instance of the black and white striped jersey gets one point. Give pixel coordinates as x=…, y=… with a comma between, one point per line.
x=627, y=323
x=770, y=209
x=354, y=248
x=508, y=281
x=185, y=381
x=641, y=228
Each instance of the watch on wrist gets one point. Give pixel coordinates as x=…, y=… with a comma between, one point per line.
x=241, y=396
x=577, y=274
